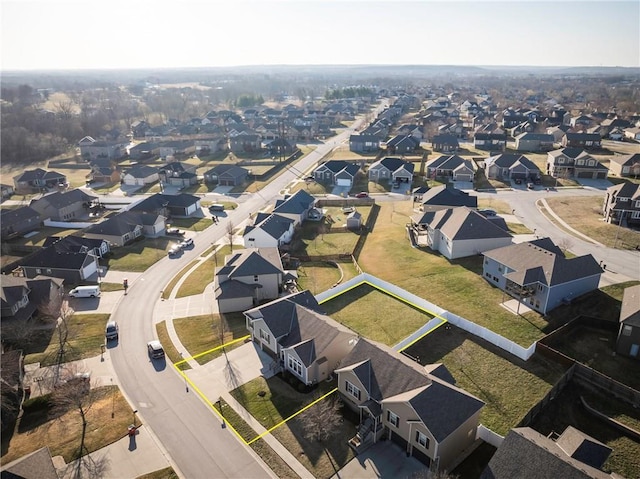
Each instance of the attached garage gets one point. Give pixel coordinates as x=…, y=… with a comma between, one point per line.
x=464, y=177
x=343, y=182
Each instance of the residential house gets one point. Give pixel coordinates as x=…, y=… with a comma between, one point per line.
x=178, y=174
x=167, y=149
x=125, y=227
x=492, y=141
x=628, y=342
x=305, y=342
x=411, y=130
x=208, y=146
x=103, y=171
x=72, y=267
x=23, y=297
x=558, y=132
x=574, y=163
x=141, y=175
x=296, y=206
x=445, y=143
x=364, y=143
x=139, y=128
x=622, y=204
x=37, y=464
x=508, y=166
x=143, y=151
x=632, y=133
x=527, y=454
x=458, y=232
x=336, y=172
x=538, y=274
x=616, y=134
x=580, y=121
x=245, y=143
x=581, y=140
x=182, y=205
x=534, y=142
x=18, y=222
x=451, y=166
x=64, y=206
x=268, y=231
x=91, y=149
x=415, y=406
x=226, y=175
x=626, y=166
x=248, y=277
x=392, y=169
x=37, y=180
x=78, y=244
x=279, y=146
x=446, y=196
x=402, y=144
x=6, y=191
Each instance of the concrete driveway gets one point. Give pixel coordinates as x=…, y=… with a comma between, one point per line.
x=341, y=191
x=384, y=459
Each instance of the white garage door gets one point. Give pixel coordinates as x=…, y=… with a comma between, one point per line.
x=343, y=182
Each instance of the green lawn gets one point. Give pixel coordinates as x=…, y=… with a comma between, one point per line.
x=318, y=276
x=86, y=335
x=375, y=315
x=273, y=400
x=192, y=224
x=202, y=333
x=166, y=292
x=455, y=285
x=138, y=256
x=203, y=275
x=169, y=349
x=509, y=386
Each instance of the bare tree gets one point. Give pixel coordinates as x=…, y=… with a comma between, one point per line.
x=61, y=312
x=565, y=244
x=322, y=420
x=230, y=234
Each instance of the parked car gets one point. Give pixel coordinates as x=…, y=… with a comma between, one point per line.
x=362, y=194
x=531, y=186
x=518, y=181
x=186, y=243
x=85, y=292
x=216, y=207
x=175, y=232
x=111, y=331
x=155, y=350
x=487, y=212
x=175, y=250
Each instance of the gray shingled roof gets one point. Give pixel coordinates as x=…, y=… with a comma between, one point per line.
x=281, y=311
x=583, y=447
x=17, y=216
x=61, y=199
x=448, y=196
x=298, y=203
x=531, y=262
x=274, y=225
x=527, y=454
x=626, y=160
x=253, y=261
x=232, y=289
x=463, y=223
x=630, y=309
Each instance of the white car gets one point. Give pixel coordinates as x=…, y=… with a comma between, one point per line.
x=175, y=249
x=186, y=243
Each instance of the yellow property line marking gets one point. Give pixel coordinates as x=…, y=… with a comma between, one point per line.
x=268, y=431
x=400, y=298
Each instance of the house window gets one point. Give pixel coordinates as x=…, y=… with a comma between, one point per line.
x=540, y=287
x=255, y=277
x=266, y=337
x=393, y=418
x=422, y=440
x=295, y=366
x=500, y=268
x=635, y=215
x=38, y=271
x=351, y=389
x=251, y=239
x=580, y=162
x=48, y=270
x=623, y=199
x=626, y=330
x=592, y=163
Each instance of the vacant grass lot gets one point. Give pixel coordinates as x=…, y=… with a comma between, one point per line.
x=202, y=333
x=509, y=386
x=375, y=315
x=455, y=285
x=86, y=335
x=41, y=235
x=138, y=256
x=585, y=215
x=280, y=401
x=566, y=410
x=107, y=418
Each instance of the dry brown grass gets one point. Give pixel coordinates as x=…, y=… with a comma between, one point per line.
x=585, y=215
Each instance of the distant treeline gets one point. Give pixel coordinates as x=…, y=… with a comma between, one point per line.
x=348, y=92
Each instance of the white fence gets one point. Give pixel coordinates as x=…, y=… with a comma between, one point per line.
x=487, y=435
x=440, y=314
x=66, y=224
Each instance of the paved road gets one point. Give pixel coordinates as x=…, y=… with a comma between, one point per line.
x=189, y=431
x=619, y=262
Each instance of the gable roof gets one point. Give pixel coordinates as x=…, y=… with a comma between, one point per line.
x=570, y=152
x=142, y=171
x=298, y=203
x=159, y=201
x=527, y=454
x=17, y=216
x=626, y=160
x=49, y=258
x=36, y=464
x=462, y=223
x=447, y=162
x=630, y=309
x=274, y=225
x=394, y=164
x=72, y=243
x=448, y=195
x=122, y=223
x=533, y=262
x=336, y=166
x=508, y=160
x=60, y=199
x=38, y=174
x=252, y=261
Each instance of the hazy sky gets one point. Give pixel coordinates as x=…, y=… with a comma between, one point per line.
x=55, y=34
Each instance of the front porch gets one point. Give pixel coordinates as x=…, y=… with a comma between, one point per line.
x=370, y=429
